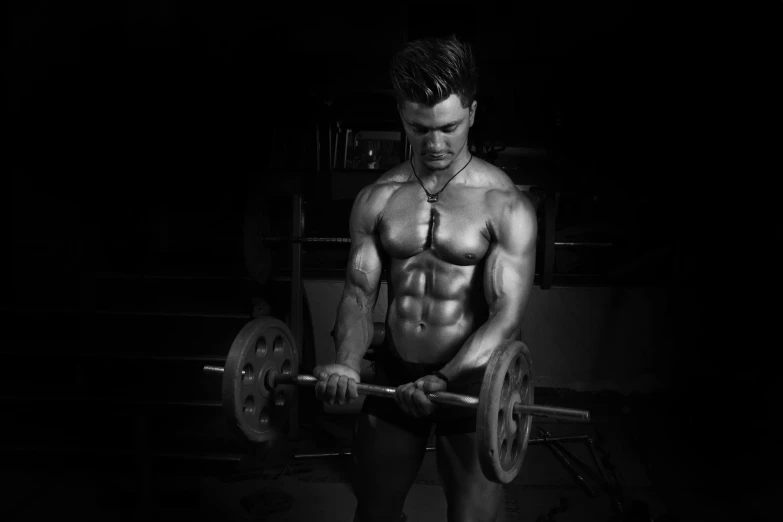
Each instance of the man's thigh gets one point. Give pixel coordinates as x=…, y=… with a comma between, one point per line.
x=387, y=458
x=469, y=494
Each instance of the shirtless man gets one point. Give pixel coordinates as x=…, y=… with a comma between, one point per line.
x=459, y=240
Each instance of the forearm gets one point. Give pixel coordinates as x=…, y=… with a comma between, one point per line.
x=353, y=331
x=478, y=348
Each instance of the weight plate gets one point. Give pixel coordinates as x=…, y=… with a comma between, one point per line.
x=502, y=435
x=252, y=407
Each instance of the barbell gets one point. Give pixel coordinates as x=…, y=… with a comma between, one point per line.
x=261, y=372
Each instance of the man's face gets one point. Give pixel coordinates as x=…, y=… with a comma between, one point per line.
x=437, y=134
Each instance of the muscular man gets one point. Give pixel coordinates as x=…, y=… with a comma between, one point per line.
x=459, y=239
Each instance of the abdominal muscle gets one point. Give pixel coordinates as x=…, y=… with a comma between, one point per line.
x=434, y=307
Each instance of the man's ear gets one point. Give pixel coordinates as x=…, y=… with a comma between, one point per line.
x=473, y=112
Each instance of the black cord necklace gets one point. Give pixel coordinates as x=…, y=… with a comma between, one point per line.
x=433, y=198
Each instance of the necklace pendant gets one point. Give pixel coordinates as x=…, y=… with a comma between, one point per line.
x=432, y=198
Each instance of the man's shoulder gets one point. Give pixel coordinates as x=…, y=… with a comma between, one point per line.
x=373, y=197
x=498, y=185
x=489, y=177
x=396, y=175
x=501, y=192
x=386, y=183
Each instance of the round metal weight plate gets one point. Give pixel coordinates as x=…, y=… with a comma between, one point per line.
x=252, y=407
x=502, y=435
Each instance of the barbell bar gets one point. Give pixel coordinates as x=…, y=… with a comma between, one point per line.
x=273, y=378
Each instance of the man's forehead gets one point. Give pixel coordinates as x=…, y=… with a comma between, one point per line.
x=442, y=112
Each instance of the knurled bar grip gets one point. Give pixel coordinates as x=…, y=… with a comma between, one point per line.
x=453, y=399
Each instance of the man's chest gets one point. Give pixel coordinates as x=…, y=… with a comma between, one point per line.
x=456, y=228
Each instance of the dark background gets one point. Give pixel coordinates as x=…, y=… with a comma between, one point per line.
x=140, y=133
x=663, y=109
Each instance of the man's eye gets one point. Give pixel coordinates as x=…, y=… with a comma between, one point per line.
x=419, y=130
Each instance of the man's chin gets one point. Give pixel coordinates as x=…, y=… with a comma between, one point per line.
x=437, y=165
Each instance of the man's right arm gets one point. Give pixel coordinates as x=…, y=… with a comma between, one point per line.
x=354, y=324
x=354, y=328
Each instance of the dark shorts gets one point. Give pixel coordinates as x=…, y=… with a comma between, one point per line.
x=449, y=420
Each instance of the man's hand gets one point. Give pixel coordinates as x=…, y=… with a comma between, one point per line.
x=412, y=397
x=336, y=383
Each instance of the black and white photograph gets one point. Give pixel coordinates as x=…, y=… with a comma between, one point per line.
x=392, y=262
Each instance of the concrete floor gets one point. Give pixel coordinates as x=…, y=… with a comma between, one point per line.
x=658, y=469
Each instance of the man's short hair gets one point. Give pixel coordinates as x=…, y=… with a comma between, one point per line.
x=431, y=69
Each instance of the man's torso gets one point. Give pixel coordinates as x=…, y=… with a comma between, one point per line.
x=436, y=258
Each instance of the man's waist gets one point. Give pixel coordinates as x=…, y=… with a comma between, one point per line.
x=399, y=371
x=387, y=357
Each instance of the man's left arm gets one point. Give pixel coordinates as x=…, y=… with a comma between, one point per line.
x=508, y=280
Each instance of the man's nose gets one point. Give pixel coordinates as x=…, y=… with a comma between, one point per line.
x=434, y=142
